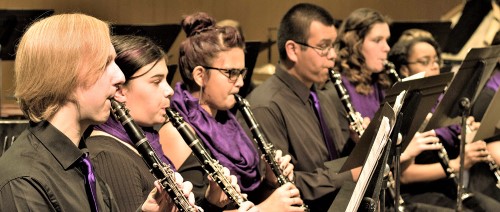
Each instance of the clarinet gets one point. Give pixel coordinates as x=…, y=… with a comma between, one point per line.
x=355, y=121
x=162, y=172
x=496, y=171
x=391, y=71
x=209, y=164
x=493, y=167
x=445, y=161
x=264, y=146
x=391, y=185
x=356, y=125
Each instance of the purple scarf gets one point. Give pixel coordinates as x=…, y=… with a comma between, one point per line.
x=114, y=128
x=223, y=136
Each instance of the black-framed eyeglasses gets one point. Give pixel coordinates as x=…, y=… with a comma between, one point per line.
x=231, y=73
x=426, y=61
x=322, y=51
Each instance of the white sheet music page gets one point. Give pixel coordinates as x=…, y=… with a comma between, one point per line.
x=398, y=104
x=370, y=164
x=414, y=77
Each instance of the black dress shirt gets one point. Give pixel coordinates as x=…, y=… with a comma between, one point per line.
x=282, y=107
x=41, y=172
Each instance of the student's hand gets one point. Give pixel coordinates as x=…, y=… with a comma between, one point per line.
x=471, y=130
x=214, y=193
x=284, y=198
x=285, y=166
x=248, y=206
x=475, y=152
x=421, y=142
x=364, y=123
x=159, y=200
x=355, y=173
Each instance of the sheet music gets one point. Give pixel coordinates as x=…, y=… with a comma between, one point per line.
x=415, y=76
x=370, y=164
x=398, y=104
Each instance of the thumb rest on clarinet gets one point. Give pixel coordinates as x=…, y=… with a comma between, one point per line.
x=356, y=124
x=209, y=164
x=264, y=146
x=162, y=172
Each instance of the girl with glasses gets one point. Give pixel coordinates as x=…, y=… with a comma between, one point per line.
x=212, y=67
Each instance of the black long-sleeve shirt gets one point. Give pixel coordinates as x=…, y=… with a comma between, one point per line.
x=41, y=172
x=282, y=108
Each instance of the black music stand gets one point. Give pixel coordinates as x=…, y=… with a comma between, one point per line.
x=421, y=96
x=13, y=23
x=472, y=75
x=358, y=158
x=9, y=131
x=490, y=125
x=163, y=35
x=252, y=49
x=12, y=27
x=439, y=30
x=462, y=93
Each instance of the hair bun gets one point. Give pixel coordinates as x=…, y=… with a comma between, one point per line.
x=197, y=23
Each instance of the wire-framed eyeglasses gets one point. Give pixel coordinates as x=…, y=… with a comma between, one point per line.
x=426, y=61
x=322, y=51
x=231, y=73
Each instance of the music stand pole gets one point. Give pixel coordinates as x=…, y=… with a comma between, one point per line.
x=465, y=107
x=397, y=170
x=396, y=156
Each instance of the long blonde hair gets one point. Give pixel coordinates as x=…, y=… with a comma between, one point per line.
x=54, y=57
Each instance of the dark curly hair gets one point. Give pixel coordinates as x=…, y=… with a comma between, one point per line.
x=401, y=50
x=350, y=61
x=204, y=41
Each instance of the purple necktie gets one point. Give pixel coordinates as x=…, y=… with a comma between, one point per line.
x=326, y=133
x=89, y=182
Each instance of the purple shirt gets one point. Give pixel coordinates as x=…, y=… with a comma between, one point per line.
x=494, y=81
x=367, y=105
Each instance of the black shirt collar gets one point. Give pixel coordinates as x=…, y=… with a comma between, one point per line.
x=58, y=144
x=294, y=84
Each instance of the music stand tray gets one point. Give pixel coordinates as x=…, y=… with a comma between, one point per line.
x=422, y=95
x=472, y=75
x=360, y=152
x=359, y=157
